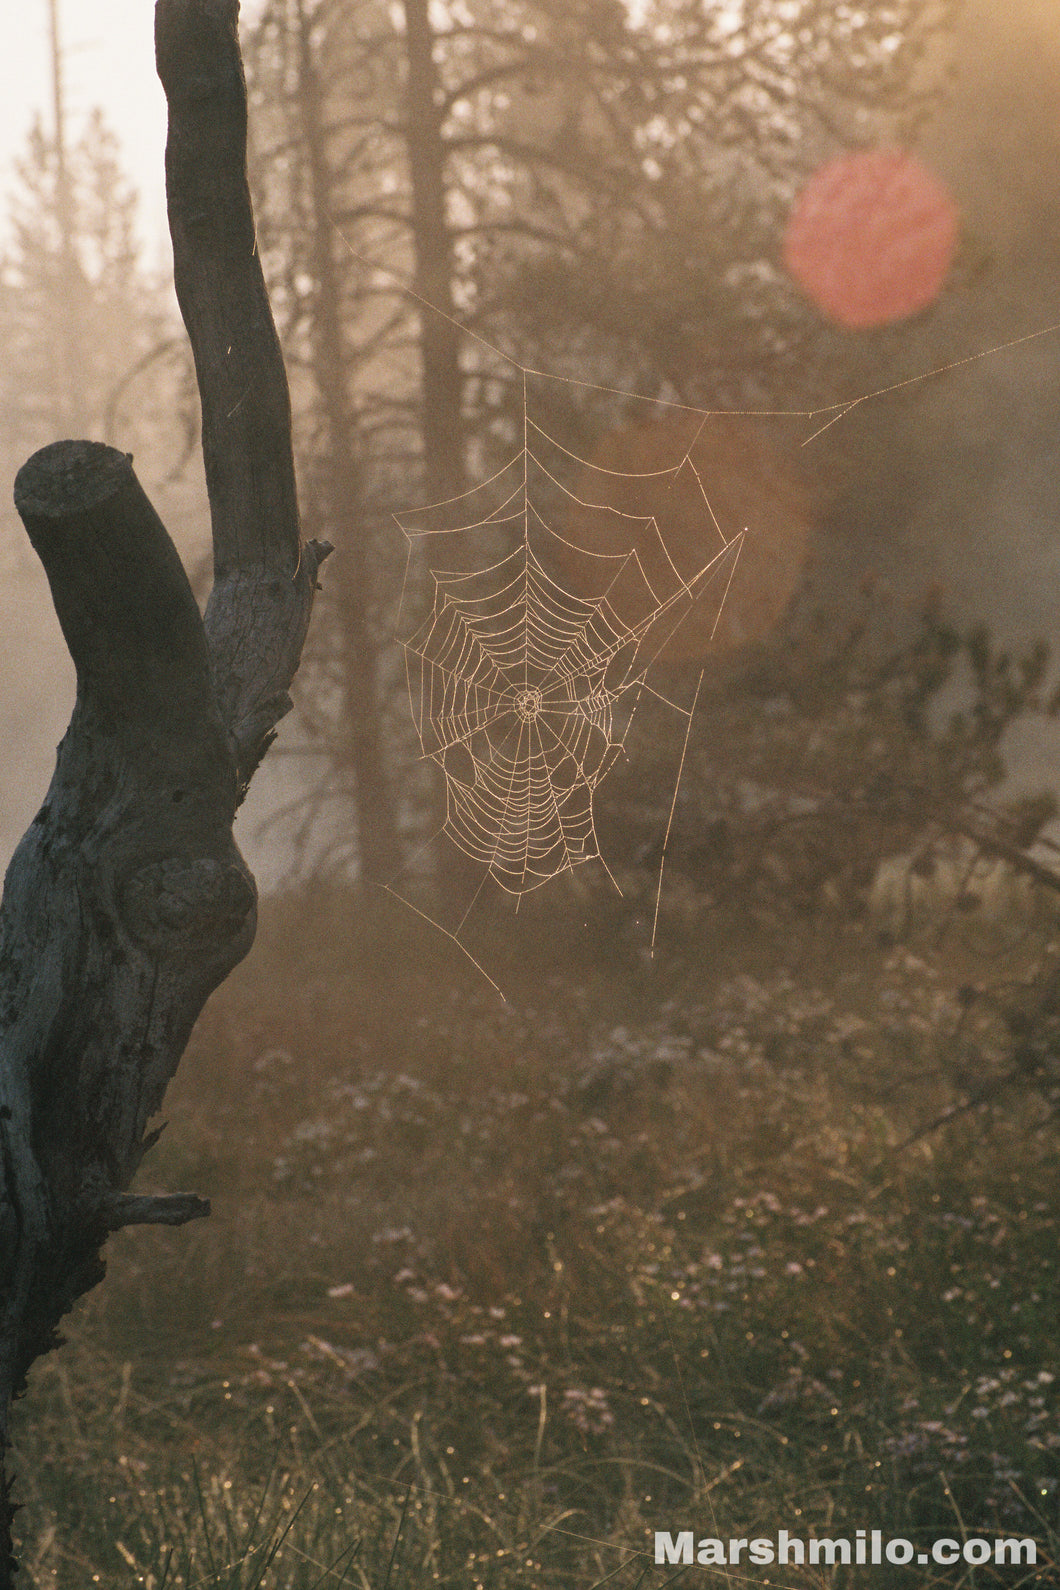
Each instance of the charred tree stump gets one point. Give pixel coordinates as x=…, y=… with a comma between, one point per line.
x=127, y=901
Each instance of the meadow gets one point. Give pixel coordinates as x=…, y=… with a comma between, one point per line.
x=757, y=1233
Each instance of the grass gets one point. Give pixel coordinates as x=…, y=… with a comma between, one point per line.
x=493, y=1291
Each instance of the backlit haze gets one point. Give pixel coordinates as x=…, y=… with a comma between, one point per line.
x=108, y=60
x=978, y=452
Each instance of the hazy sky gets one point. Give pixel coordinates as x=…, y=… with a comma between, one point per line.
x=108, y=60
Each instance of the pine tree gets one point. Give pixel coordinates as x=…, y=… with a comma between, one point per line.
x=92, y=338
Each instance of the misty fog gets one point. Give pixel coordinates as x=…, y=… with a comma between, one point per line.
x=638, y=1110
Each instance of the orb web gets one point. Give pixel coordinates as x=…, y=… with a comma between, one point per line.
x=510, y=669
x=526, y=670
x=522, y=743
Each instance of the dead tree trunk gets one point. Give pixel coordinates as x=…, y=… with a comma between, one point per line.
x=127, y=902
x=377, y=842
x=442, y=384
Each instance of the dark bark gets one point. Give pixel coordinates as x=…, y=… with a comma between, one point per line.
x=127, y=901
x=442, y=380
x=258, y=612
x=342, y=490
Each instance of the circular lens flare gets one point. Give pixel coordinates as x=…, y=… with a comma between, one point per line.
x=871, y=238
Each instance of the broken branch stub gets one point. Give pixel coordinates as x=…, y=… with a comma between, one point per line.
x=127, y=901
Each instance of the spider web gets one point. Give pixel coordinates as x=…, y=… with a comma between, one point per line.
x=523, y=684
x=526, y=673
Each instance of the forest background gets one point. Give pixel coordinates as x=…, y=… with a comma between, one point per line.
x=763, y=1222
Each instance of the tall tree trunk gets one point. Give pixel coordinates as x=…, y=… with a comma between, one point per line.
x=442, y=381
x=70, y=341
x=343, y=490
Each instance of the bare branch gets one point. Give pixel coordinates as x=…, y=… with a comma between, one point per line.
x=258, y=612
